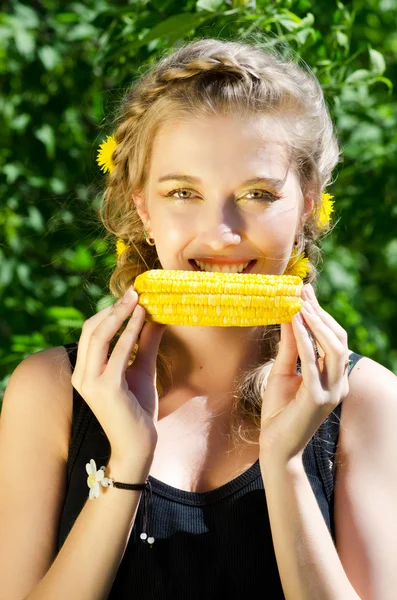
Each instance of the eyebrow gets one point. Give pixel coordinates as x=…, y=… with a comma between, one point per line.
x=275, y=183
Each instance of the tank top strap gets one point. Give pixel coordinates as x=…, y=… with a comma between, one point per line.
x=326, y=440
x=82, y=414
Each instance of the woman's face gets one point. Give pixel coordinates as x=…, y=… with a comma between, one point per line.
x=198, y=204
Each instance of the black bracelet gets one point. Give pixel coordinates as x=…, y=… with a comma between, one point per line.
x=127, y=486
x=97, y=480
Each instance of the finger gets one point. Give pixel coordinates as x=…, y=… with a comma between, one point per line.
x=287, y=356
x=99, y=340
x=83, y=344
x=307, y=354
x=149, y=342
x=121, y=354
x=335, y=351
x=326, y=317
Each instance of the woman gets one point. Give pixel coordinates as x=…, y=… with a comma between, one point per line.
x=239, y=479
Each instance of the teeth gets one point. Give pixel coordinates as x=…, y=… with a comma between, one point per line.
x=222, y=269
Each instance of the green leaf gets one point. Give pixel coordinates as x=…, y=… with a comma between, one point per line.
x=390, y=253
x=12, y=172
x=82, y=31
x=174, y=28
x=378, y=64
x=26, y=16
x=342, y=39
x=49, y=57
x=304, y=34
x=58, y=186
x=360, y=75
x=20, y=122
x=66, y=316
x=210, y=5
x=24, y=272
x=79, y=259
x=45, y=134
x=339, y=277
x=35, y=219
x=289, y=21
x=24, y=41
x=67, y=17
x=7, y=270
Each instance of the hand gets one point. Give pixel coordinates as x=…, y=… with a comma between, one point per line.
x=124, y=399
x=294, y=405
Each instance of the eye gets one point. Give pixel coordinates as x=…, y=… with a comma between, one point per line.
x=266, y=196
x=178, y=191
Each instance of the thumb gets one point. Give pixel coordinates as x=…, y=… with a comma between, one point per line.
x=149, y=343
x=285, y=363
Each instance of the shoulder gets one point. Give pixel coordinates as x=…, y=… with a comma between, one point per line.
x=372, y=399
x=41, y=390
x=34, y=434
x=366, y=479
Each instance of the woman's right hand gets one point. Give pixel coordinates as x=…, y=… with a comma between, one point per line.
x=124, y=399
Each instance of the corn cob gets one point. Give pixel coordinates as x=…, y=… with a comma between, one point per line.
x=218, y=299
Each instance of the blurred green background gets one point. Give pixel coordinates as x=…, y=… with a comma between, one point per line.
x=64, y=67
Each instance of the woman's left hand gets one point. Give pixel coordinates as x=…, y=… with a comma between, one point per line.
x=294, y=405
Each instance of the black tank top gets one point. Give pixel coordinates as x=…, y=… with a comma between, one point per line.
x=207, y=544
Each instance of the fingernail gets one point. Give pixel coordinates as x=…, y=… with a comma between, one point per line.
x=310, y=292
x=307, y=306
x=304, y=294
x=128, y=296
x=298, y=317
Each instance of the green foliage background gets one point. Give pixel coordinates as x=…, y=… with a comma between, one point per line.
x=64, y=66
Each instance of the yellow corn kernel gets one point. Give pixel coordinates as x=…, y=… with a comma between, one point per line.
x=218, y=299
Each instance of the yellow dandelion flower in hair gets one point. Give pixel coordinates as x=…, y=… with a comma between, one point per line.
x=298, y=265
x=105, y=151
x=120, y=247
x=326, y=208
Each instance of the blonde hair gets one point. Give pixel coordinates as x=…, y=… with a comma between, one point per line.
x=214, y=77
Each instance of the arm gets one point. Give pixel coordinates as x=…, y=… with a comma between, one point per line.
x=363, y=565
x=308, y=562
x=87, y=563
x=34, y=442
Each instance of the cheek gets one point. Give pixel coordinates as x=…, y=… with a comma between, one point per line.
x=275, y=240
x=277, y=230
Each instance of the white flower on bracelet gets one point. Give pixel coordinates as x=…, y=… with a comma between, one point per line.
x=95, y=478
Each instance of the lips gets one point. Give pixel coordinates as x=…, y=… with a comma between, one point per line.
x=246, y=270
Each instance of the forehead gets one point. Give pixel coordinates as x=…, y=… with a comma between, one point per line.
x=222, y=145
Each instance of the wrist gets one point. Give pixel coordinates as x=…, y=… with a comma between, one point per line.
x=126, y=470
x=271, y=463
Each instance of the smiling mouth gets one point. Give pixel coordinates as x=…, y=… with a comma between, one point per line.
x=221, y=268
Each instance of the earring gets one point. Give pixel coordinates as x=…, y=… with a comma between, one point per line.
x=299, y=241
x=148, y=239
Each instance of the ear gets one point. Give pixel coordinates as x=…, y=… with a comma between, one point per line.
x=138, y=198
x=308, y=206
x=309, y=200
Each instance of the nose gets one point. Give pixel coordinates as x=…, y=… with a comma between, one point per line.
x=220, y=238
x=220, y=225
x=217, y=235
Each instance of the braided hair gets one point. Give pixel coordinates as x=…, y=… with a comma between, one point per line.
x=210, y=77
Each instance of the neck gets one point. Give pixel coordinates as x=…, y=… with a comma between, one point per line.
x=210, y=358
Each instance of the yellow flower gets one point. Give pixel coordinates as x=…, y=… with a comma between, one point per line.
x=104, y=158
x=120, y=247
x=298, y=265
x=326, y=208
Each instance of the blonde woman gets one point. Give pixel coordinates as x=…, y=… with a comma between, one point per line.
x=255, y=461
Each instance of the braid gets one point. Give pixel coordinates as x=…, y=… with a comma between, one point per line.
x=153, y=84
x=214, y=77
